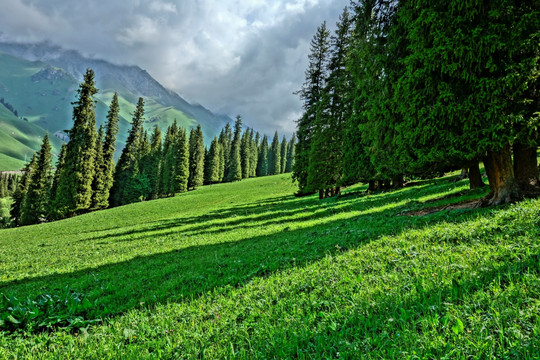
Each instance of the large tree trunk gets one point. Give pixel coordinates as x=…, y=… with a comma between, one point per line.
x=475, y=177
x=372, y=186
x=526, y=168
x=321, y=194
x=500, y=172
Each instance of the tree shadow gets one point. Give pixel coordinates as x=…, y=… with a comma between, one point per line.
x=192, y=271
x=273, y=211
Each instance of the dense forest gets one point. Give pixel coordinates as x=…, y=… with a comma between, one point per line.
x=420, y=88
x=86, y=177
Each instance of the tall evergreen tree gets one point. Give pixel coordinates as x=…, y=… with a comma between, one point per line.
x=109, y=147
x=245, y=147
x=126, y=188
x=52, y=213
x=481, y=107
x=152, y=163
x=196, y=158
x=290, y=154
x=99, y=198
x=226, y=139
x=169, y=159
x=19, y=195
x=253, y=153
x=235, y=162
x=35, y=204
x=310, y=94
x=333, y=111
x=74, y=191
x=182, y=169
x=274, y=157
x=283, y=154
x=214, y=161
x=262, y=163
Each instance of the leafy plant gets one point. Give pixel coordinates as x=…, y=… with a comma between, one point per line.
x=67, y=310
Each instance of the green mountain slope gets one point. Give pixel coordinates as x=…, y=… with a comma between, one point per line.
x=19, y=139
x=246, y=270
x=42, y=93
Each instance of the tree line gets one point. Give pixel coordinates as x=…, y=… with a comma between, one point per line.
x=419, y=88
x=8, y=183
x=87, y=178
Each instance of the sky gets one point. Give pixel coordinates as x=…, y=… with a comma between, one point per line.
x=233, y=57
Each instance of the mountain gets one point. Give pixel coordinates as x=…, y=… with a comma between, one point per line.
x=38, y=82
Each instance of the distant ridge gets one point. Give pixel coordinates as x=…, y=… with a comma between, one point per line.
x=40, y=80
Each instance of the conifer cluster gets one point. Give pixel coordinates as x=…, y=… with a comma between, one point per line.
x=149, y=167
x=418, y=89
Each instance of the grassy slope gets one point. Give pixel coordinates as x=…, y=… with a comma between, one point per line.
x=19, y=138
x=247, y=270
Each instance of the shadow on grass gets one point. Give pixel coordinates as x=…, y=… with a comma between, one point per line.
x=269, y=212
x=190, y=272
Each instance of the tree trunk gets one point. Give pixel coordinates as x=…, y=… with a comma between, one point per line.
x=397, y=182
x=475, y=178
x=526, y=168
x=372, y=186
x=338, y=190
x=321, y=194
x=500, y=172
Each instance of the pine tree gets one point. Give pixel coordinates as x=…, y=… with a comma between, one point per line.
x=182, y=167
x=168, y=162
x=74, y=190
x=226, y=138
x=332, y=113
x=153, y=162
x=99, y=199
x=214, y=161
x=126, y=188
x=109, y=147
x=274, y=157
x=19, y=195
x=235, y=162
x=245, y=147
x=310, y=94
x=35, y=204
x=52, y=213
x=196, y=158
x=253, y=153
x=283, y=154
x=262, y=163
x=481, y=107
x=290, y=154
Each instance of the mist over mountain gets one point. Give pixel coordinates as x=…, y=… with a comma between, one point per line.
x=39, y=81
x=132, y=78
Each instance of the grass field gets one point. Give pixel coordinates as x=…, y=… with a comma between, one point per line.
x=246, y=270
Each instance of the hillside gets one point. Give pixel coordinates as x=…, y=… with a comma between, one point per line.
x=19, y=139
x=40, y=81
x=246, y=270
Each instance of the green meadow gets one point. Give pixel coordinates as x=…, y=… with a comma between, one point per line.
x=246, y=270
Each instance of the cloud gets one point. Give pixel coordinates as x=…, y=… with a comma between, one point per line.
x=235, y=57
x=158, y=6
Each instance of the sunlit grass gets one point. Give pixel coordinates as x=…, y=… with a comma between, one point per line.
x=247, y=270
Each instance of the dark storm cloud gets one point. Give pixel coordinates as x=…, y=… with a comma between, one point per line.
x=234, y=57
